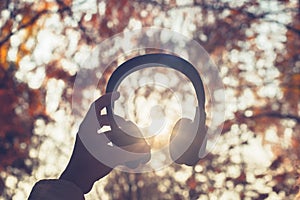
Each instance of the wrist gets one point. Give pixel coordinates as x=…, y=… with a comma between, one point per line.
x=83, y=183
x=59, y=189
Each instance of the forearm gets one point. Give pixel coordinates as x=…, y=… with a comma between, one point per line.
x=83, y=169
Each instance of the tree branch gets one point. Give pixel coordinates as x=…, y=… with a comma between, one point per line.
x=277, y=115
x=22, y=26
x=218, y=7
x=31, y=22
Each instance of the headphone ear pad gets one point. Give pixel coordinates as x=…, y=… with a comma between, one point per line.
x=183, y=132
x=179, y=138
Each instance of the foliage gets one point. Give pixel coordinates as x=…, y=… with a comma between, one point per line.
x=255, y=44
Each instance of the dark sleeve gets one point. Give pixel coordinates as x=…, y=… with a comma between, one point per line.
x=55, y=190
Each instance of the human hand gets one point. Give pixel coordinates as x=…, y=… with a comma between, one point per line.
x=90, y=150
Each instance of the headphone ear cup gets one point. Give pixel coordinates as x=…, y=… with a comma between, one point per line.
x=197, y=149
x=183, y=131
x=178, y=139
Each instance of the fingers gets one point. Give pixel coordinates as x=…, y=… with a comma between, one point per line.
x=133, y=149
x=102, y=102
x=106, y=100
x=139, y=147
x=103, y=120
x=138, y=153
x=113, y=156
x=125, y=134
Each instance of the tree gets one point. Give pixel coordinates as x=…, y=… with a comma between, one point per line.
x=255, y=44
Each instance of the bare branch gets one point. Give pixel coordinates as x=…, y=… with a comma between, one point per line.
x=277, y=115
x=32, y=21
x=218, y=7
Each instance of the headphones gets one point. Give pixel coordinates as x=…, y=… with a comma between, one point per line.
x=189, y=137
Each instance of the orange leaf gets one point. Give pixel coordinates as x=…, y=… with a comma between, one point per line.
x=3, y=55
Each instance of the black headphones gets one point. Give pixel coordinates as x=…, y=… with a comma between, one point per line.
x=186, y=130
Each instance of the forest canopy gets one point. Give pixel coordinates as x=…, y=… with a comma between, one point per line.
x=254, y=44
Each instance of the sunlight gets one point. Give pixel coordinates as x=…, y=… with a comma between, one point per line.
x=250, y=153
x=271, y=134
x=158, y=113
x=254, y=46
x=54, y=91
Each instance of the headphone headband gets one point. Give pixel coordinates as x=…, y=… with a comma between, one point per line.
x=156, y=60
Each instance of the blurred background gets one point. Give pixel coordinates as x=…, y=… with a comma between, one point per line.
x=254, y=44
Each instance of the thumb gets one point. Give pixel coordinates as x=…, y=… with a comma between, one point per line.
x=137, y=152
x=142, y=155
x=139, y=148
